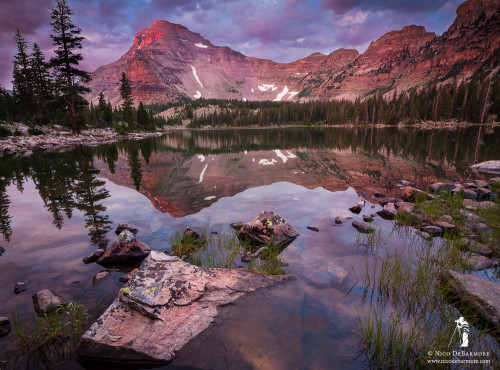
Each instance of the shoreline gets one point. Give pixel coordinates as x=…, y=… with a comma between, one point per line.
x=58, y=138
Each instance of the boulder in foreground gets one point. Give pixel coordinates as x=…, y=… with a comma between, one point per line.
x=164, y=305
x=267, y=228
x=481, y=294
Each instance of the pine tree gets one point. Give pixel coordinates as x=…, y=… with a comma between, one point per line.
x=127, y=105
x=22, y=88
x=41, y=84
x=142, y=117
x=70, y=79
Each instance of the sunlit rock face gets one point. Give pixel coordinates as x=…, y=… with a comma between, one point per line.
x=168, y=62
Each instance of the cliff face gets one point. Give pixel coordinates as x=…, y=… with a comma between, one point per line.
x=167, y=62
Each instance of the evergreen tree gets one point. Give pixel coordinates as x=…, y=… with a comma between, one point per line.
x=41, y=84
x=67, y=39
x=22, y=88
x=127, y=105
x=142, y=117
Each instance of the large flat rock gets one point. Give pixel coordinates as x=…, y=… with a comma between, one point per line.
x=488, y=166
x=164, y=305
x=483, y=295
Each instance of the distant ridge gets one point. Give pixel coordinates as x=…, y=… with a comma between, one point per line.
x=168, y=62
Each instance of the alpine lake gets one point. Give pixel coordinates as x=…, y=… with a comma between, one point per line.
x=56, y=207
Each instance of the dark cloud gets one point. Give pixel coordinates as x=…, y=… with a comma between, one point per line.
x=282, y=30
x=407, y=6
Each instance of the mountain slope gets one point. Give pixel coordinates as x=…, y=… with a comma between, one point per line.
x=167, y=62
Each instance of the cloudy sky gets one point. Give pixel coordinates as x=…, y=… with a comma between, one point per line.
x=281, y=30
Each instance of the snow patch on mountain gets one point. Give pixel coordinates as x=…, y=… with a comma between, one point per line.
x=196, y=76
x=197, y=95
x=265, y=87
x=282, y=94
x=200, y=45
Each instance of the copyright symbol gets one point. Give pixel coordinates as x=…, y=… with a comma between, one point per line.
x=429, y=353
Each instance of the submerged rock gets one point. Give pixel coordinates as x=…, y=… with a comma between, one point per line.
x=2, y=250
x=5, y=327
x=124, y=250
x=267, y=228
x=21, y=286
x=475, y=247
x=368, y=218
x=482, y=295
x=47, y=300
x=339, y=220
x=94, y=256
x=163, y=307
x=100, y=276
x=478, y=263
x=362, y=227
x=312, y=228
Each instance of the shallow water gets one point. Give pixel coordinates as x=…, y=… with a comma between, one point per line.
x=56, y=206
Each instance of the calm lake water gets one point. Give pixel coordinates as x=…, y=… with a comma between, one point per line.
x=56, y=207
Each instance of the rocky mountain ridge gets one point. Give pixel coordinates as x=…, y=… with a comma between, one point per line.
x=167, y=62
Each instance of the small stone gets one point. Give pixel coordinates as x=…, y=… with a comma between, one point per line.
x=441, y=187
x=362, y=227
x=495, y=180
x=483, y=193
x=5, y=327
x=411, y=217
x=338, y=220
x=410, y=207
x=363, y=193
x=385, y=201
x=361, y=203
x=47, y=300
x=379, y=195
x=124, y=226
x=432, y=230
x=447, y=218
x=446, y=226
x=482, y=228
x=21, y=286
x=355, y=209
x=245, y=257
x=126, y=278
x=373, y=205
x=367, y=218
x=94, y=256
x=312, y=228
x=2, y=250
x=470, y=194
x=191, y=236
x=100, y=276
x=471, y=217
x=481, y=184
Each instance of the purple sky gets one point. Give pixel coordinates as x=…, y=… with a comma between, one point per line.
x=281, y=30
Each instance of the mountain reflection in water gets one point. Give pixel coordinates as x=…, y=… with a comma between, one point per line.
x=187, y=170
